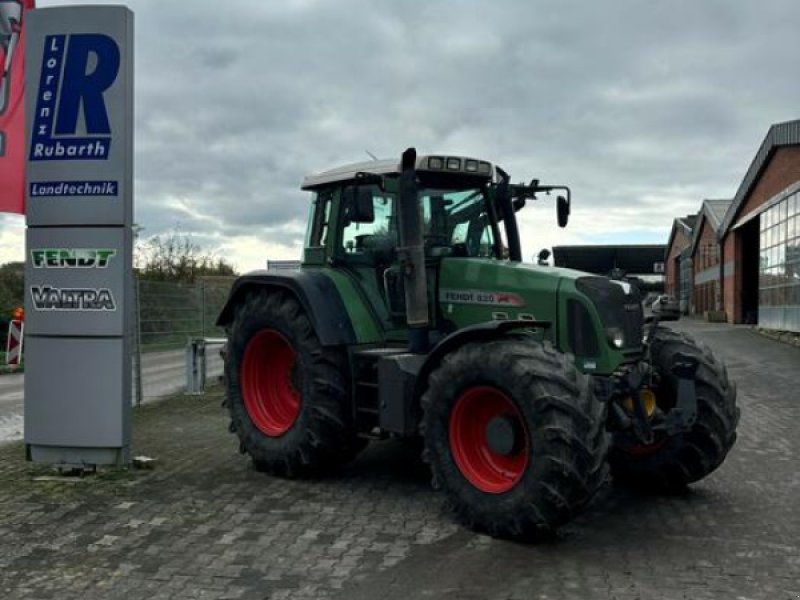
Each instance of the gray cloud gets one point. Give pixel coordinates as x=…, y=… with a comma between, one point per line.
x=644, y=108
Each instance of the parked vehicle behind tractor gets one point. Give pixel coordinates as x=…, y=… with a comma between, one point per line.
x=413, y=315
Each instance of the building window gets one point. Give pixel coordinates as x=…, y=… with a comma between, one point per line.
x=779, y=263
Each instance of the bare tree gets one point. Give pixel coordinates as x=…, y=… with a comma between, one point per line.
x=176, y=257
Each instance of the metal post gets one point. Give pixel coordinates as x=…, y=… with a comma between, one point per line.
x=191, y=368
x=202, y=353
x=202, y=310
x=195, y=367
x=137, y=333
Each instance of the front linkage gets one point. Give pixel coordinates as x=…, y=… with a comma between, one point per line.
x=675, y=413
x=631, y=387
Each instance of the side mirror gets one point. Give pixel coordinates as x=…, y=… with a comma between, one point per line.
x=562, y=207
x=544, y=254
x=364, y=178
x=358, y=204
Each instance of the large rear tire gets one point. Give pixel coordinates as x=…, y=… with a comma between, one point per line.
x=557, y=461
x=288, y=396
x=672, y=462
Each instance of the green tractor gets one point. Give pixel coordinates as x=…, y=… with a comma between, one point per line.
x=413, y=316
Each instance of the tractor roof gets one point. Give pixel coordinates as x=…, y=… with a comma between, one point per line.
x=439, y=163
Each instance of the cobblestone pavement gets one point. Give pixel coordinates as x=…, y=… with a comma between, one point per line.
x=203, y=524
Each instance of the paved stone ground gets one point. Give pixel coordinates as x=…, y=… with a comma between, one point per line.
x=203, y=524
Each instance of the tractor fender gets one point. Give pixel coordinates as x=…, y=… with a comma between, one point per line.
x=315, y=292
x=482, y=332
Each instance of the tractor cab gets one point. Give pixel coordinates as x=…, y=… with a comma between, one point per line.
x=466, y=209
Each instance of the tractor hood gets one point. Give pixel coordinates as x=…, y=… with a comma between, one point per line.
x=581, y=307
x=559, y=272
x=474, y=290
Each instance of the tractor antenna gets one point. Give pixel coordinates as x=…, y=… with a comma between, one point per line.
x=371, y=155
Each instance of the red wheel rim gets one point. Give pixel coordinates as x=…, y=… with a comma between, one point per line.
x=485, y=469
x=270, y=398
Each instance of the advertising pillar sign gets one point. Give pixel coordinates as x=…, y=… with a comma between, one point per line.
x=79, y=208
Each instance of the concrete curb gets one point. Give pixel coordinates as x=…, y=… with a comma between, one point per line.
x=787, y=337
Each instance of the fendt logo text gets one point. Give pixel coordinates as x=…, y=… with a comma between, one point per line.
x=10, y=28
x=76, y=71
x=72, y=258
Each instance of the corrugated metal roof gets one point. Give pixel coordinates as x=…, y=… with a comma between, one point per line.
x=634, y=259
x=686, y=223
x=689, y=222
x=780, y=134
x=715, y=211
x=711, y=211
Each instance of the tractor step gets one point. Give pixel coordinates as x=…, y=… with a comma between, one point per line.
x=383, y=388
x=366, y=387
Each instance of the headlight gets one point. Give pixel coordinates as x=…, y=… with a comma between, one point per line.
x=615, y=336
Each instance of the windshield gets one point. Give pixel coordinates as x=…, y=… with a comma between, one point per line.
x=461, y=220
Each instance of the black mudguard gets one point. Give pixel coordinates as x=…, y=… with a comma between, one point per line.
x=313, y=289
x=474, y=333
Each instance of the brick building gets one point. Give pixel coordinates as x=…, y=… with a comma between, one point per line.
x=705, y=257
x=760, y=236
x=744, y=254
x=677, y=266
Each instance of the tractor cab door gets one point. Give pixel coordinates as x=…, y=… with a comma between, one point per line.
x=458, y=223
x=367, y=248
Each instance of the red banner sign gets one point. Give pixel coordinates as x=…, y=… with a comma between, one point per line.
x=12, y=113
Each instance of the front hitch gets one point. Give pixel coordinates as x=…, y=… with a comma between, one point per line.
x=629, y=384
x=684, y=414
x=633, y=383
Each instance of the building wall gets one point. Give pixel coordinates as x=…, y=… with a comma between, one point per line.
x=706, y=257
x=671, y=273
x=729, y=279
x=686, y=282
x=706, y=253
x=705, y=297
x=781, y=171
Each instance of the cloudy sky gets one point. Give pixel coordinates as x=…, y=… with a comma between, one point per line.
x=643, y=108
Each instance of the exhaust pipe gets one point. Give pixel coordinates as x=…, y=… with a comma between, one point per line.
x=412, y=255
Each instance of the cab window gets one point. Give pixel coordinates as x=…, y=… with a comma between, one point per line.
x=368, y=221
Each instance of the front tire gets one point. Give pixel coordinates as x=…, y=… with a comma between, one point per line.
x=670, y=463
x=288, y=396
x=557, y=460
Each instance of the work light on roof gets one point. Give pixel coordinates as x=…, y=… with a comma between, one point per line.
x=455, y=163
x=435, y=163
